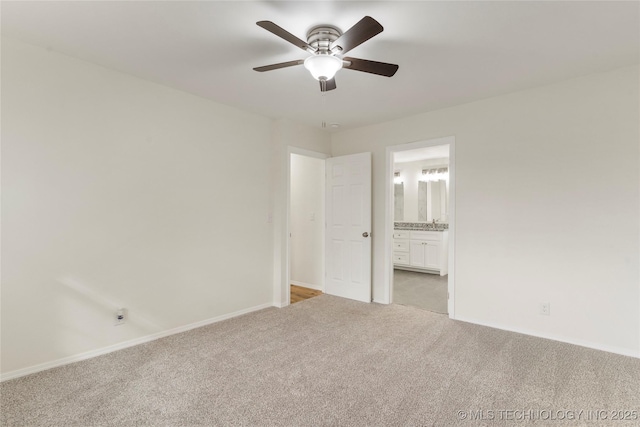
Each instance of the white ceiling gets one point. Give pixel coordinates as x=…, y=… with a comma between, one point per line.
x=449, y=52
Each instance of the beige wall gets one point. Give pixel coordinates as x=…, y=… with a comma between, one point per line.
x=117, y=192
x=547, y=206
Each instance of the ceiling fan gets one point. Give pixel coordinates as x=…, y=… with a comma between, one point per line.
x=327, y=44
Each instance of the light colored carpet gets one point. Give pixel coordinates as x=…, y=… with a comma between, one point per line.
x=326, y=361
x=422, y=290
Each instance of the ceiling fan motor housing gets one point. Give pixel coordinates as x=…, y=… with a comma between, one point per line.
x=321, y=37
x=323, y=65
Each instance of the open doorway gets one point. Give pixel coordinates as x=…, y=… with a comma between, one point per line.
x=420, y=218
x=341, y=217
x=306, y=225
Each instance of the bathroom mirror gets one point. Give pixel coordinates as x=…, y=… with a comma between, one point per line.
x=398, y=198
x=432, y=201
x=421, y=192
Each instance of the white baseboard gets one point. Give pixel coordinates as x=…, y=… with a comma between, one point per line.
x=115, y=347
x=582, y=343
x=306, y=285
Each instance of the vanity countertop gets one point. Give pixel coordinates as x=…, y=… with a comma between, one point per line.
x=420, y=226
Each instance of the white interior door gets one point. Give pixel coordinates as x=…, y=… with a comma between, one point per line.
x=348, y=236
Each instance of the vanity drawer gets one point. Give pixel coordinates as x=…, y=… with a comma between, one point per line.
x=401, y=245
x=426, y=235
x=401, y=258
x=401, y=234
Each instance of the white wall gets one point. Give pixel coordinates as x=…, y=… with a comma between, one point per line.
x=117, y=192
x=411, y=173
x=533, y=170
x=306, y=222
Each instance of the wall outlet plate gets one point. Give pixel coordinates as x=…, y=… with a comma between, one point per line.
x=545, y=308
x=121, y=317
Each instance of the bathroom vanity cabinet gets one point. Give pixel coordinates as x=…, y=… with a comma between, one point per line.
x=424, y=251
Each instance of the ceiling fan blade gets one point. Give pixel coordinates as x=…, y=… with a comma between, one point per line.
x=279, y=65
x=373, y=67
x=284, y=34
x=364, y=29
x=326, y=85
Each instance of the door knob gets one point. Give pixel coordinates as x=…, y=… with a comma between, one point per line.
x=365, y=234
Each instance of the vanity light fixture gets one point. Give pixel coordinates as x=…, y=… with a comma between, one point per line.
x=397, y=179
x=438, y=174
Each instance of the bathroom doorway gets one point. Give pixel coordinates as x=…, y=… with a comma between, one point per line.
x=420, y=217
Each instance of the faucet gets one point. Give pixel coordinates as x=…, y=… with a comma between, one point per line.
x=434, y=223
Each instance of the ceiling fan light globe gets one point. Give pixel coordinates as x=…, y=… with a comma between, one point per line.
x=323, y=67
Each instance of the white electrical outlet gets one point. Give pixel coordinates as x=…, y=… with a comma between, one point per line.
x=121, y=316
x=545, y=308
x=312, y=216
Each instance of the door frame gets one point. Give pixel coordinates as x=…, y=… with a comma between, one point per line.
x=388, y=217
x=287, y=283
